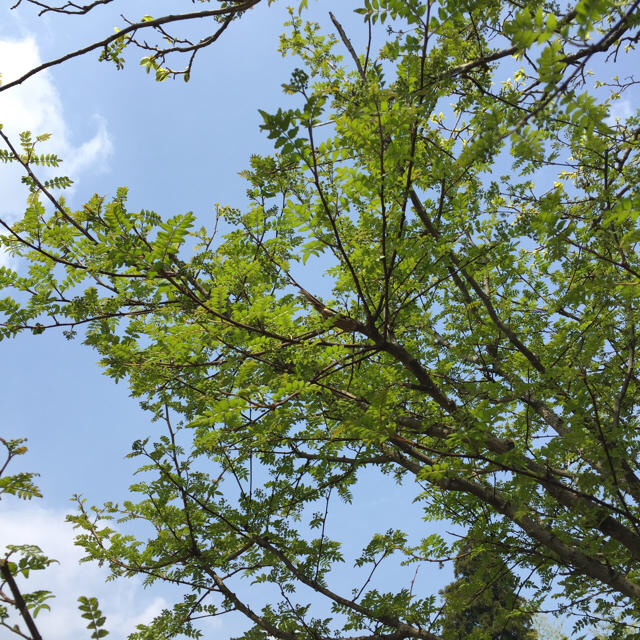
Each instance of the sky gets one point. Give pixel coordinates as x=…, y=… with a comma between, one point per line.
x=178, y=147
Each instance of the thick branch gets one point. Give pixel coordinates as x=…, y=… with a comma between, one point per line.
x=568, y=554
x=20, y=604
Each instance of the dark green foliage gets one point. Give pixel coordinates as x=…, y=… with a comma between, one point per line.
x=483, y=603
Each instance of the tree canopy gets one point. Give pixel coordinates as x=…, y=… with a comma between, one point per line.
x=436, y=281
x=483, y=600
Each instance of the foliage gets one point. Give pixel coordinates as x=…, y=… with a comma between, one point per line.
x=472, y=206
x=20, y=484
x=91, y=612
x=548, y=628
x=483, y=601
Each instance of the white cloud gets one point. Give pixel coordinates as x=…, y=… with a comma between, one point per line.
x=620, y=110
x=35, y=106
x=124, y=602
x=5, y=258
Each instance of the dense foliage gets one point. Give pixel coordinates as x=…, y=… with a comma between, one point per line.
x=471, y=201
x=483, y=601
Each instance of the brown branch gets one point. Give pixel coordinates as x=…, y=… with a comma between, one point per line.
x=132, y=28
x=404, y=629
x=568, y=554
x=44, y=190
x=486, y=301
x=19, y=602
x=347, y=43
x=606, y=41
x=69, y=8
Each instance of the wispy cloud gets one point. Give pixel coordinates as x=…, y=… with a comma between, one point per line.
x=5, y=258
x=125, y=603
x=36, y=106
x=620, y=110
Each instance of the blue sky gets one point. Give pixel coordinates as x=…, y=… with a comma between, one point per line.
x=178, y=147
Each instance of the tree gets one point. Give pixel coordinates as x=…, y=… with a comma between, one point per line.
x=483, y=600
x=475, y=330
